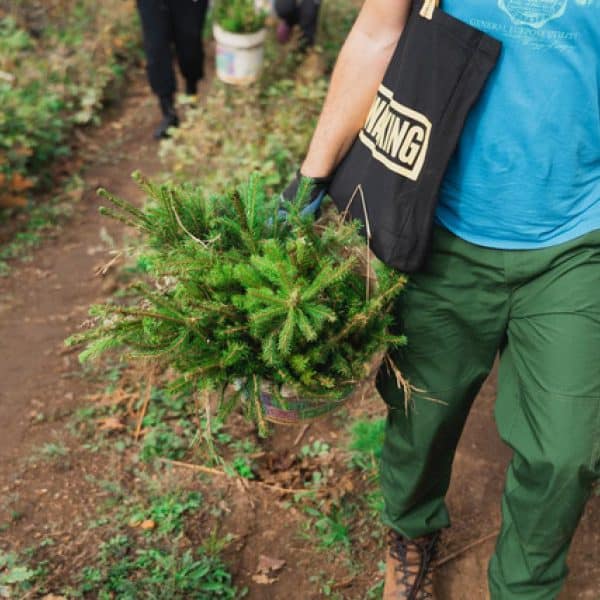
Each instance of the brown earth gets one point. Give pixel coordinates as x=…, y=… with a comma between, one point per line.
x=41, y=384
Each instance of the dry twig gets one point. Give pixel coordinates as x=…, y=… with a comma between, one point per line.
x=212, y=471
x=301, y=434
x=469, y=546
x=148, y=392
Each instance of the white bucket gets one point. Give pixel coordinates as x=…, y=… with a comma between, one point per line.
x=239, y=55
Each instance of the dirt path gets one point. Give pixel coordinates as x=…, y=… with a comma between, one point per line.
x=46, y=299
x=474, y=503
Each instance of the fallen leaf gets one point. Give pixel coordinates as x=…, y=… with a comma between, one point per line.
x=267, y=564
x=20, y=183
x=7, y=201
x=263, y=579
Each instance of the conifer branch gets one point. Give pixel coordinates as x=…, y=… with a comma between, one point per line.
x=236, y=292
x=185, y=229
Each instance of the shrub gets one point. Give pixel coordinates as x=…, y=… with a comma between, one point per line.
x=57, y=63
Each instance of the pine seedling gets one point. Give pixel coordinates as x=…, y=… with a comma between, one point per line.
x=237, y=298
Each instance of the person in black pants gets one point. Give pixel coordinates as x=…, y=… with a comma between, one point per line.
x=167, y=24
x=303, y=13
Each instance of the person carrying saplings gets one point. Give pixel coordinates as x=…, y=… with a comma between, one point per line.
x=514, y=270
x=304, y=13
x=169, y=25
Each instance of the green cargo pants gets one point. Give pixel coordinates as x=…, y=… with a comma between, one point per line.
x=540, y=309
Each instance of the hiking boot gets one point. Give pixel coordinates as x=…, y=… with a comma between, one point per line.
x=408, y=567
x=191, y=87
x=169, y=120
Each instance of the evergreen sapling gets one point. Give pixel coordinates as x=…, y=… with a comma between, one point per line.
x=244, y=293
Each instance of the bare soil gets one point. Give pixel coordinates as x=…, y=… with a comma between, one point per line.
x=41, y=384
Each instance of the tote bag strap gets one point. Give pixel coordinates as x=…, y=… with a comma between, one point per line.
x=428, y=7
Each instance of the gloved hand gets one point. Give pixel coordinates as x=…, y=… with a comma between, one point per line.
x=317, y=190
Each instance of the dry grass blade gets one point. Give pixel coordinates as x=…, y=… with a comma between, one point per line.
x=149, y=376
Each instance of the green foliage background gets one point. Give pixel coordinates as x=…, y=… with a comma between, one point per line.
x=274, y=119
x=59, y=62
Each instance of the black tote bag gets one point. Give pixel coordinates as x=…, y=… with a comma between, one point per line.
x=390, y=177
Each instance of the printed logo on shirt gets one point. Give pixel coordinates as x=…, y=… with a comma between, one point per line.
x=396, y=135
x=535, y=13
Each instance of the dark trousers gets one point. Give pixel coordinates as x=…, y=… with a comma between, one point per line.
x=303, y=13
x=169, y=24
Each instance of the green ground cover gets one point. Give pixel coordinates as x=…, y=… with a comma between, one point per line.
x=59, y=64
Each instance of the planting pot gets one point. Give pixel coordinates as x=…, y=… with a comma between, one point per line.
x=239, y=56
x=285, y=407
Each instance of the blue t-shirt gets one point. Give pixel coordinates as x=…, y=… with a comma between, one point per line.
x=526, y=173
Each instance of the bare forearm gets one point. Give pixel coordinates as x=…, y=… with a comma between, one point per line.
x=356, y=77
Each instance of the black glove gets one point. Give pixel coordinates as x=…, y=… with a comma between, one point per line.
x=318, y=189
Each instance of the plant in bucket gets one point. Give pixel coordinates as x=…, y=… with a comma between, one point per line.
x=251, y=302
x=240, y=33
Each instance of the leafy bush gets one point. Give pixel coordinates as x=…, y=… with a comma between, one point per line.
x=57, y=63
x=31, y=126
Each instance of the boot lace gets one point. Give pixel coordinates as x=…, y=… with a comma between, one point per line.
x=414, y=558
